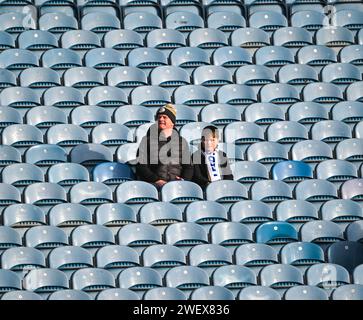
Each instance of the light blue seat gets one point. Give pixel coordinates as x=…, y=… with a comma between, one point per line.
x=66, y=135
x=259, y=293
x=69, y=259
x=45, y=281
x=181, y=192
x=322, y=92
x=111, y=135
x=80, y=41
x=150, y=96
x=212, y=293
x=268, y=21
x=117, y=294
x=327, y=276
x=45, y=195
x=89, y=154
x=251, y=213
x=316, y=190
x=9, y=238
x=226, y=192
x=57, y=23
x=281, y=277
x=83, y=78
x=46, y=155
x=311, y=151
x=126, y=78
x=92, y=280
x=292, y=37
x=302, y=255
x=100, y=22
x=352, y=189
x=307, y=113
x=207, y=38
x=189, y=58
x=69, y=295
x=7, y=78
x=142, y=22
x=340, y=74
x=16, y=60
x=234, y=278
x=104, y=59
x=21, y=295
x=163, y=257
x=63, y=97
x=348, y=292
x=22, y=174
x=187, y=278
x=89, y=117
x=226, y=21
x=264, y=113
x=250, y=37
x=139, y=236
x=67, y=174
x=165, y=39
x=92, y=237
x=334, y=36
x=255, y=256
x=236, y=94
x=9, y=194
x=195, y=96
x=9, y=155
x=59, y=59
x=336, y=171
x=306, y=293
x=271, y=191
x=9, y=281
x=124, y=40
x=255, y=76
x=22, y=259
x=115, y=258
x=169, y=77
x=291, y=171
x=44, y=117
x=220, y=114
x=164, y=293
x=146, y=58
x=316, y=56
x=354, y=231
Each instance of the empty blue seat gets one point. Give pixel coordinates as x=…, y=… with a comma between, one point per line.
x=133, y=192
x=297, y=74
x=92, y=236
x=249, y=37
x=236, y=94
x=181, y=192
x=306, y=293
x=274, y=56
x=7, y=78
x=226, y=191
x=251, y=212
x=350, y=150
x=302, y=254
x=111, y=173
x=292, y=37
x=267, y=152
x=9, y=281
x=22, y=258
x=187, y=278
x=142, y=22
x=126, y=77
x=348, y=292
x=60, y=59
x=104, y=58
x=9, y=238
x=193, y=95
x=255, y=255
x=271, y=191
x=6, y=41
x=45, y=237
x=91, y=193
x=150, y=96
x=83, y=77
x=185, y=234
x=279, y=93
x=163, y=257
x=291, y=171
x=341, y=211
x=316, y=190
x=114, y=215
x=92, y=280
x=9, y=155
x=212, y=293
x=69, y=215
x=169, y=77
x=210, y=76
x=336, y=170
x=165, y=39
x=322, y=92
x=276, y=233
x=69, y=295
x=18, y=59
x=340, y=73
x=139, y=279
x=139, y=235
x=67, y=174
x=89, y=116
x=230, y=234
x=45, y=281
x=107, y=97
x=57, y=22
x=296, y=212
x=23, y=216
x=219, y=114
x=321, y=232
x=259, y=293
x=281, y=276
x=205, y=212
x=80, y=40
x=117, y=294
x=66, y=135
x=21, y=135
x=63, y=97
x=37, y=40
x=9, y=194
x=70, y=258
x=184, y=21
x=310, y=20
x=354, y=91
x=307, y=113
x=347, y=254
x=45, y=194
x=22, y=174
x=334, y=36
x=114, y=257
x=316, y=55
x=144, y=58
x=45, y=155
x=164, y=293
x=39, y=78
x=90, y=154
x=207, y=38
x=311, y=151
x=21, y=295
x=354, y=231
x=100, y=22
x=123, y=39
x=243, y=133
x=327, y=275
x=352, y=189
x=254, y=75
x=160, y=213
x=44, y=117
x=267, y=20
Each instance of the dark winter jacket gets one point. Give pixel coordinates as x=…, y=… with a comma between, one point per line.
x=163, y=158
x=200, y=168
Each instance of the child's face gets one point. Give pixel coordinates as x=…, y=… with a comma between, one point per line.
x=210, y=143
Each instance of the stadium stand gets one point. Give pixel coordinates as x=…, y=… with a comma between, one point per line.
x=80, y=82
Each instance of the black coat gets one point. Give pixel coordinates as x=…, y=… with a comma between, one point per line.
x=155, y=164
x=200, y=175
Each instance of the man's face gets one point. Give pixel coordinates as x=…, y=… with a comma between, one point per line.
x=164, y=122
x=210, y=143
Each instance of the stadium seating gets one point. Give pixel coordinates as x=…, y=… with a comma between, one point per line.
x=80, y=82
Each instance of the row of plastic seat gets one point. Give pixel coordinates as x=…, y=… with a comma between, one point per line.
x=181, y=18
x=231, y=242
x=344, y=292
x=183, y=192
x=193, y=58
x=258, y=117
x=344, y=213
x=166, y=39
x=185, y=278
x=68, y=174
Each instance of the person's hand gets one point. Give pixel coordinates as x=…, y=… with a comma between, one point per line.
x=178, y=178
x=160, y=183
